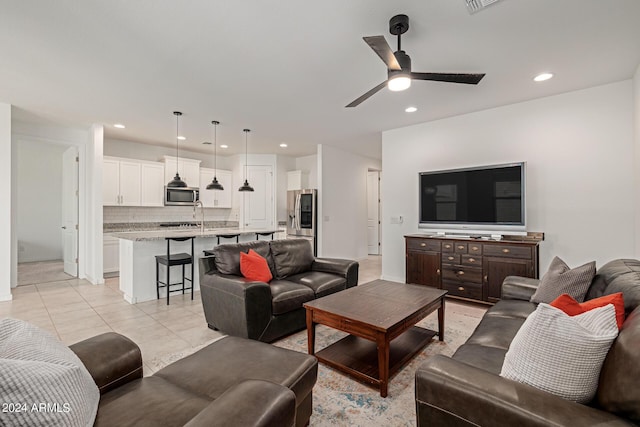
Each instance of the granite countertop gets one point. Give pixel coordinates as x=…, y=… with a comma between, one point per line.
x=190, y=232
x=121, y=227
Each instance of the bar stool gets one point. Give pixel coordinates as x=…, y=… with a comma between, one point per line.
x=268, y=233
x=170, y=260
x=229, y=236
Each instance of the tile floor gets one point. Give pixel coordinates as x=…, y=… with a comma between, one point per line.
x=74, y=310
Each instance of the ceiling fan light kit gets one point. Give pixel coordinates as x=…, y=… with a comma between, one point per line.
x=399, y=74
x=177, y=181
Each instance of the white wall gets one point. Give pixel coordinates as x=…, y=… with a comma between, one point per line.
x=309, y=164
x=580, y=170
x=153, y=153
x=6, y=241
x=39, y=187
x=284, y=165
x=636, y=126
x=342, y=194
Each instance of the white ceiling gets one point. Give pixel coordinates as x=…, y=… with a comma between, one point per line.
x=287, y=68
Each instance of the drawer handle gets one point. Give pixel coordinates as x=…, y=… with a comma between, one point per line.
x=460, y=288
x=506, y=251
x=472, y=260
x=450, y=258
x=423, y=244
x=447, y=246
x=486, y=278
x=438, y=272
x=474, y=248
x=460, y=247
x=461, y=273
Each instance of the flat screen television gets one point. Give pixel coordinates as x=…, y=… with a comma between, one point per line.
x=486, y=199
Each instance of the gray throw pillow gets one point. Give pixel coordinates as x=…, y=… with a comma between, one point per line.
x=560, y=279
x=562, y=354
x=43, y=379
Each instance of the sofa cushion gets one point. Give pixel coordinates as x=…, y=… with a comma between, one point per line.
x=618, y=389
x=321, y=283
x=562, y=354
x=517, y=309
x=254, y=267
x=227, y=256
x=149, y=401
x=620, y=275
x=287, y=296
x=291, y=256
x=36, y=368
x=496, y=331
x=561, y=279
x=572, y=307
x=488, y=359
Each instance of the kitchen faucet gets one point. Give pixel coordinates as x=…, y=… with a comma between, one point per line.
x=195, y=206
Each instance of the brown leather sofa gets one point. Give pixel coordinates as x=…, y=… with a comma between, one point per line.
x=231, y=382
x=466, y=389
x=261, y=311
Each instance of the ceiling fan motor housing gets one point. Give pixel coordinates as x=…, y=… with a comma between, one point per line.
x=405, y=64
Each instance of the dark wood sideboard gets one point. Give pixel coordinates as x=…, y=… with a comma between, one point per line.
x=469, y=268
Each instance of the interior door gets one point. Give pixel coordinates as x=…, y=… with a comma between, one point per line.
x=373, y=212
x=70, y=210
x=258, y=205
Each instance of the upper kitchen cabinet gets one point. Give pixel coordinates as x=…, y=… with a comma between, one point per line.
x=216, y=198
x=297, y=180
x=188, y=169
x=127, y=182
x=121, y=182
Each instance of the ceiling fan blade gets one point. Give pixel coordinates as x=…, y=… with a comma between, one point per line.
x=367, y=95
x=470, y=79
x=381, y=47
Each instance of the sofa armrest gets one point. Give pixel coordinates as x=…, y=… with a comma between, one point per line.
x=449, y=392
x=252, y=403
x=111, y=359
x=344, y=267
x=516, y=287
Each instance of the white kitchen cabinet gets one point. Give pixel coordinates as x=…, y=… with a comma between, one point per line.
x=121, y=185
x=110, y=254
x=188, y=169
x=216, y=198
x=152, y=184
x=297, y=180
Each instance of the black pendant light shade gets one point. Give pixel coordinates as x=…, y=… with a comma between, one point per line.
x=245, y=186
x=176, y=181
x=215, y=185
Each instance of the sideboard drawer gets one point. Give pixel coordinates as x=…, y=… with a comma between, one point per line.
x=423, y=245
x=459, y=273
x=475, y=249
x=465, y=290
x=450, y=258
x=471, y=260
x=509, y=251
x=448, y=246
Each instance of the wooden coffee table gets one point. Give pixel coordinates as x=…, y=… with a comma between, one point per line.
x=380, y=317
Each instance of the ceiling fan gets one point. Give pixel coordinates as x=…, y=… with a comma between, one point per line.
x=399, y=64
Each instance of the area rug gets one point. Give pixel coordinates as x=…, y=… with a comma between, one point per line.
x=339, y=400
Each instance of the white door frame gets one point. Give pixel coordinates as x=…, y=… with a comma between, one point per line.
x=70, y=192
x=373, y=213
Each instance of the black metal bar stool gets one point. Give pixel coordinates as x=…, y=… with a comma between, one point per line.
x=268, y=233
x=229, y=236
x=169, y=260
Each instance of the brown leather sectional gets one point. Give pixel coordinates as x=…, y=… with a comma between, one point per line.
x=231, y=382
x=466, y=389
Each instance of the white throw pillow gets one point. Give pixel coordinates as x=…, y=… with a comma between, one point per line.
x=562, y=354
x=42, y=382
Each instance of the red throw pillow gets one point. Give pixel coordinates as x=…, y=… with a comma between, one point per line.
x=254, y=267
x=572, y=307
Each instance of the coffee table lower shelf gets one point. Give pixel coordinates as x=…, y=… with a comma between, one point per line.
x=358, y=357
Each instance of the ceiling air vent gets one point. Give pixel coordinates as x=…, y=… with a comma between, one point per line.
x=474, y=6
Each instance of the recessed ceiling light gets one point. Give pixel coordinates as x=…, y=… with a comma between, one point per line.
x=542, y=77
x=181, y=138
x=224, y=146
x=283, y=145
x=119, y=126
x=206, y=142
x=411, y=109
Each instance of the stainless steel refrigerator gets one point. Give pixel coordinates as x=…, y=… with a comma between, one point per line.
x=302, y=216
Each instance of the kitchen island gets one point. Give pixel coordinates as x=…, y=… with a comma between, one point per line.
x=138, y=250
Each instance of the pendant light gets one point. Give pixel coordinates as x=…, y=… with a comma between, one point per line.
x=245, y=186
x=177, y=182
x=215, y=185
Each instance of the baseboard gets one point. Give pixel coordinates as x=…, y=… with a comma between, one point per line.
x=6, y=297
x=392, y=278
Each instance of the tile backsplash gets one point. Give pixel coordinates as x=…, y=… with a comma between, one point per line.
x=129, y=214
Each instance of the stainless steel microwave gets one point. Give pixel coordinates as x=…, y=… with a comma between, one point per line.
x=181, y=196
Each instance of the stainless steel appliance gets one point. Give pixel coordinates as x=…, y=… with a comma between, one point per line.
x=181, y=196
x=302, y=215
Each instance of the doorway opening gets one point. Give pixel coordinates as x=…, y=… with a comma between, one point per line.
x=374, y=243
